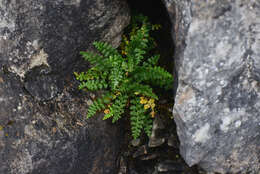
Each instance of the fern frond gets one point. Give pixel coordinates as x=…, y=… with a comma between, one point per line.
x=93, y=85
x=117, y=108
x=148, y=125
x=115, y=78
x=99, y=104
x=154, y=75
x=152, y=61
x=105, y=49
x=100, y=62
x=91, y=57
x=131, y=87
x=116, y=71
x=136, y=49
x=92, y=73
x=145, y=90
x=138, y=118
x=139, y=19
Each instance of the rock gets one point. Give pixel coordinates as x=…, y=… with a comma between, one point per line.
x=168, y=166
x=218, y=96
x=41, y=84
x=158, y=123
x=172, y=141
x=155, y=142
x=69, y=27
x=52, y=137
x=136, y=142
x=156, y=139
x=142, y=150
x=133, y=172
x=123, y=166
x=42, y=113
x=150, y=156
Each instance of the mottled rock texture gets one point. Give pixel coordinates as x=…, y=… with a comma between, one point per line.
x=217, y=105
x=42, y=114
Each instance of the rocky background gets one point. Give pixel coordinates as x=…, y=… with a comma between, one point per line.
x=43, y=129
x=42, y=113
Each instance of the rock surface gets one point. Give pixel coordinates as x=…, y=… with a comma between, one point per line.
x=218, y=97
x=42, y=114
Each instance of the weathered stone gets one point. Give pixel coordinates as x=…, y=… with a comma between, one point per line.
x=218, y=96
x=123, y=166
x=155, y=142
x=31, y=29
x=149, y=156
x=41, y=84
x=172, y=141
x=42, y=113
x=133, y=172
x=167, y=166
x=142, y=150
x=52, y=137
x=136, y=142
x=50, y=33
x=157, y=138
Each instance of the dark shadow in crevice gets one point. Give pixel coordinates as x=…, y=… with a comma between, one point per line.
x=157, y=14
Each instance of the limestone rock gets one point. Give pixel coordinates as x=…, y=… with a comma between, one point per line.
x=157, y=138
x=42, y=113
x=167, y=166
x=218, y=96
x=142, y=150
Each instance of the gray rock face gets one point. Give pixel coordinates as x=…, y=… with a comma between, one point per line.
x=51, y=33
x=218, y=97
x=42, y=114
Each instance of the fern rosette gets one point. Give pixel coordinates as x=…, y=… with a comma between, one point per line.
x=127, y=76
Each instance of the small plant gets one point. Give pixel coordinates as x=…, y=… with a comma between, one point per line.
x=126, y=76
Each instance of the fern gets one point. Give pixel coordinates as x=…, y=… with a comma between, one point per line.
x=91, y=57
x=154, y=75
x=105, y=49
x=140, y=120
x=126, y=75
x=117, y=108
x=144, y=90
x=116, y=74
x=93, y=85
x=148, y=125
x=152, y=61
x=99, y=104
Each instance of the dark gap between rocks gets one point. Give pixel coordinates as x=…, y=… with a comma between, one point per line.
x=164, y=157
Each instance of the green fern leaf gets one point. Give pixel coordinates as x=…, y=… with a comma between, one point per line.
x=99, y=104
